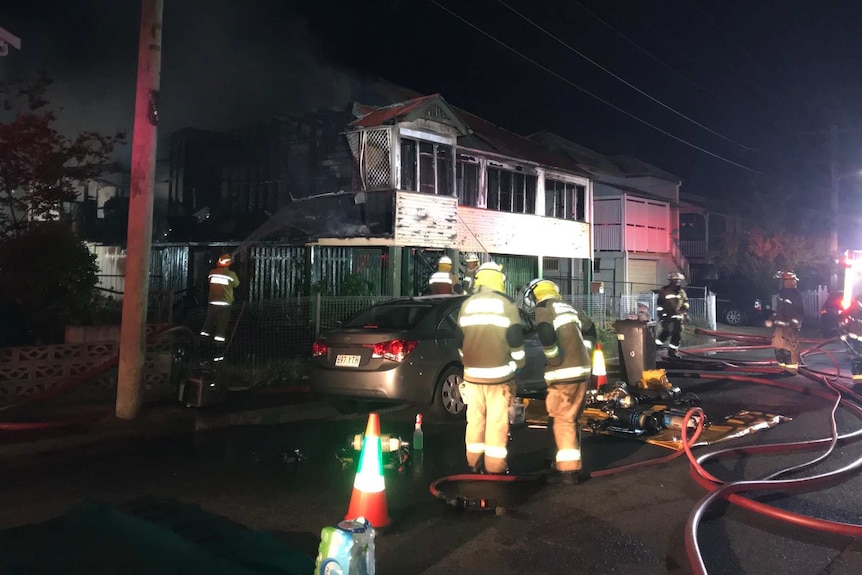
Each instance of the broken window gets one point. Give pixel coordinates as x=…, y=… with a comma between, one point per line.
x=408, y=165
x=426, y=167
x=468, y=181
x=565, y=200
x=511, y=191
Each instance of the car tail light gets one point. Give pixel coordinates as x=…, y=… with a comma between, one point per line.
x=318, y=348
x=757, y=306
x=395, y=350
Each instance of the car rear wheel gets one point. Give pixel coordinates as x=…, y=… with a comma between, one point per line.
x=734, y=316
x=447, y=395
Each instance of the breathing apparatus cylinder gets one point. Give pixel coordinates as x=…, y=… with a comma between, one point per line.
x=634, y=420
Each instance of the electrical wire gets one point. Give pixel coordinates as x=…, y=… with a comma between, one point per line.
x=644, y=50
x=623, y=80
x=595, y=96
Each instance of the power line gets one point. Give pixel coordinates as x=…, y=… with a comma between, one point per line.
x=624, y=81
x=644, y=50
x=599, y=98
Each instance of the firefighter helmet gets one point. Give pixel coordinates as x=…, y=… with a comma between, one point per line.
x=491, y=276
x=676, y=276
x=444, y=264
x=471, y=257
x=787, y=276
x=540, y=290
x=224, y=260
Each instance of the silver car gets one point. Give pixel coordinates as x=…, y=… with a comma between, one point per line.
x=404, y=351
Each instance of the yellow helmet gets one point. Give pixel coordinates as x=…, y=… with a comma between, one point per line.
x=224, y=260
x=491, y=276
x=540, y=290
x=444, y=264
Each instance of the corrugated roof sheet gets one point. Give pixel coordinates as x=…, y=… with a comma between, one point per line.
x=388, y=114
x=587, y=159
x=636, y=167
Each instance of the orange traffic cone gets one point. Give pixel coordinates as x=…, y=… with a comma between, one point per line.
x=369, y=490
x=600, y=373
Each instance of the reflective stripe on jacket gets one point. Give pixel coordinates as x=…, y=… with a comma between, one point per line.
x=491, y=337
x=672, y=301
x=222, y=283
x=790, y=309
x=567, y=357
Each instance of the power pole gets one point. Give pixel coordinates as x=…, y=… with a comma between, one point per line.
x=139, y=241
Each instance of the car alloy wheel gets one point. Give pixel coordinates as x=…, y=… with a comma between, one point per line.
x=447, y=398
x=733, y=317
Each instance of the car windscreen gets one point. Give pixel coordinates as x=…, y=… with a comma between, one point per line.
x=391, y=317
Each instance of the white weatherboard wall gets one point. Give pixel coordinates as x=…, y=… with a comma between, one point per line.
x=521, y=234
x=425, y=220
x=643, y=275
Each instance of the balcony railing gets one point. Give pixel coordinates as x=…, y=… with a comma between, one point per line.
x=693, y=248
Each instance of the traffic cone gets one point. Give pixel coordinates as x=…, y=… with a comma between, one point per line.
x=369, y=490
x=600, y=373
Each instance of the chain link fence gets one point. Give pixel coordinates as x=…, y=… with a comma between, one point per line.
x=701, y=311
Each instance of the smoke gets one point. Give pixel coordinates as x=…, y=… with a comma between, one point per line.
x=225, y=64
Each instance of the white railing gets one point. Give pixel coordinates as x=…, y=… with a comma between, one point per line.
x=643, y=306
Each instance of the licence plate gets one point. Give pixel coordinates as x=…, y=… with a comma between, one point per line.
x=347, y=360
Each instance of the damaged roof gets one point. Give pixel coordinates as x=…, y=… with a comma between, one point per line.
x=479, y=134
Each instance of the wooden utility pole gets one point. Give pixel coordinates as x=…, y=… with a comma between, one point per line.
x=139, y=242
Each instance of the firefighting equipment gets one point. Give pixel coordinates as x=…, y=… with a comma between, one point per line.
x=491, y=344
x=599, y=371
x=347, y=548
x=444, y=264
x=418, y=435
x=471, y=257
x=222, y=282
x=488, y=425
x=672, y=307
x=224, y=260
x=369, y=488
x=567, y=369
x=787, y=320
x=441, y=283
x=472, y=261
x=490, y=275
x=850, y=330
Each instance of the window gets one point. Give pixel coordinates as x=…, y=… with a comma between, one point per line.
x=408, y=165
x=511, y=191
x=565, y=200
x=597, y=265
x=551, y=264
x=468, y=181
x=426, y=167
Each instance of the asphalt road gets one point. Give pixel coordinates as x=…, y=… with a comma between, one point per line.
x=630, y=523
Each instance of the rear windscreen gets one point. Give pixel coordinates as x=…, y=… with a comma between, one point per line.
x=389, y=317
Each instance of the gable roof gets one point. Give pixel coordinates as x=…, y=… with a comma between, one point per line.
x=432, y=107
x=588, y=160
x=636, y=167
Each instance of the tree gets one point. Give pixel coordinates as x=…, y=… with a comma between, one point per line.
x=757, y=254
x=39, y=166
x=49, y=277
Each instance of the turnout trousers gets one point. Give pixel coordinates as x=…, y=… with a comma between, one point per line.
x=565, y=403
x=488, y=424
x=785, y=341
x=216, y=322
x=671, y=328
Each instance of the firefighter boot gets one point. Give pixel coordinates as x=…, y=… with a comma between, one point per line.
x=856, y=370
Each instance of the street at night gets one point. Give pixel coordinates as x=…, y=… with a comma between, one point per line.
x=628, y=523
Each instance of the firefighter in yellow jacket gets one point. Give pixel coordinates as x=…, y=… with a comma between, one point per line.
x=491, y=344
x=567, y=372
x=222, y=282
x=443, y=281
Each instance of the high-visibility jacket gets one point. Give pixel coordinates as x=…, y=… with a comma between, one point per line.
x=672, y=302
x=222, y=283
x=490, y=337
x=441, y=283
x=790, y=309
x=559, y=329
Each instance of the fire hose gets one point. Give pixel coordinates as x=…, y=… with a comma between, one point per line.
x=69, y=383
x=731, y=490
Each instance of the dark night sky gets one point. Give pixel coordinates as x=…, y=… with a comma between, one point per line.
x=758, y=72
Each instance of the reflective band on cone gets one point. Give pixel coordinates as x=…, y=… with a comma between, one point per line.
x=369, y=489
x=600, y=373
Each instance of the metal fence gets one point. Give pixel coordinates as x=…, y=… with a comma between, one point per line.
x=643, y=306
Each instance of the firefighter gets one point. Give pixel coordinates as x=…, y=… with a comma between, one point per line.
x=443, y=281
x=472, y=263
x=567, y=372
x=850, y=329
x=787, y=319
x=222, y=282
x=672, y=307
x=491, y=345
